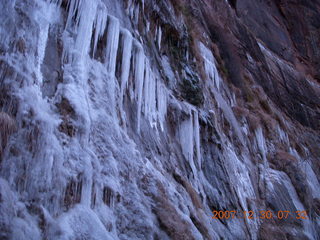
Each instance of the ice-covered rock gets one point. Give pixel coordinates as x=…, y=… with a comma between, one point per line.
x=97, y=141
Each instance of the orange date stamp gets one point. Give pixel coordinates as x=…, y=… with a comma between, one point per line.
x=261, y=215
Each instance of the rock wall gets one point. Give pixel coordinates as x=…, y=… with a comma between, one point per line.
x=138, y=119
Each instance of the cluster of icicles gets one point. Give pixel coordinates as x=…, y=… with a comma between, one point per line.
x=100, y=35
x=128, y=65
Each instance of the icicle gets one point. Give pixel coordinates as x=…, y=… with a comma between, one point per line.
x=80, y=20
x=112, y=44
x=161, y=103
x=147, y=26
x=212, y=73
x=139, y=78
x=129, y=8
x=125, y=66
x=43, y=37
x=87, y=17
x=283, y=136
x=151, y=101
x=47, y=16
x=146, y=88
x=159, y=38
x=99, y=26
x=87, y=183
x=210, y=66
x=73, y=8
x=261, y=143
x=233, y=101
x=197, y=136
x=229, y=115
x=186, y=136
x=155, y=35
x=126, y=57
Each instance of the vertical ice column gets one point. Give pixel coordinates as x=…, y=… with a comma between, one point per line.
x=46, y=17
x=126, y=44
x=197, y=136
x=212, y=73
x=130, y=8
x=216, y=76
x=87, y=11
x=112, y=44
x=159, y=37
x=42, y=43
x=80, y=19
x=149, y=95
x=87, y=182
x=229, y=115
x=146, y=93
x=209, y=65
x=99, y=25
x=186, y=140
x=155, y=98
x=152, y=99
x=73, y=7
x=133, y=11
x=139, y=78
x=126, y=57
x=161, y=103
x=261, y=144
x=111, y=50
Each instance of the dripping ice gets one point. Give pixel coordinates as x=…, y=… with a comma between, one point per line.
x=87, y=23
x=212, y=74
x=112, y=44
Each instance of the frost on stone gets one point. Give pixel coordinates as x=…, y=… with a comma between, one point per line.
x=105, y=148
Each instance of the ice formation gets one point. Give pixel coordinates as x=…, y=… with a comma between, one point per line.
x=112, y=44
x=197, y=137
x=213, y=75
x=107, y=154
x=186, y=138
x=189, y=138
x=125, y=65
x=210, y=65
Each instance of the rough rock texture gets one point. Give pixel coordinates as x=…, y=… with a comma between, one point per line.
x=137, y=119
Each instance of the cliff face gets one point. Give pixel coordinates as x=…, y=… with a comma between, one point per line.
x=138, y=119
